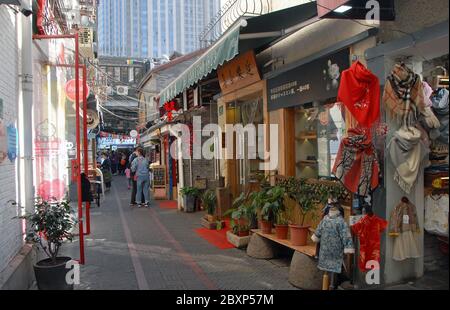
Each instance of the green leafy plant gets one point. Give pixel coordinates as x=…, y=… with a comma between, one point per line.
x=49, y=225
x=281, y=218
x=240, y=214
x=209, y=201
x=304, y=194
x=273, y=201
x=190, y=191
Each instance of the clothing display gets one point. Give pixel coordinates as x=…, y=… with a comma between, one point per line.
x=436, y=215
x=441, y=109
x=407, y=152
x=427, y=93
x=404, y=95
x=359, y=90
x=335, y=240
x=404, y=227
x=356, y=164
x=369, y=230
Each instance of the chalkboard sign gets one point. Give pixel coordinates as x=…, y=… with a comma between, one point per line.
x=159, y=176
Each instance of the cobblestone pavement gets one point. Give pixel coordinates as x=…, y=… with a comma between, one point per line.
x=158, y=249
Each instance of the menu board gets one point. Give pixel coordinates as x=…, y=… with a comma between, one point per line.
x=159, y=176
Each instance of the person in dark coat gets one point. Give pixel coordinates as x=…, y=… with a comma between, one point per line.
x=86, y=193
x=106, y=169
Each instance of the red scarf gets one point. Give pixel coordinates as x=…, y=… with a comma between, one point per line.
x=356, y=164
x=360, y=92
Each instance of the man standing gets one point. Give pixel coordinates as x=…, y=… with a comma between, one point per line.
x=133, y=156
x=140, y=166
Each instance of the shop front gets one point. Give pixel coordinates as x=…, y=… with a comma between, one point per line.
x=242, y=103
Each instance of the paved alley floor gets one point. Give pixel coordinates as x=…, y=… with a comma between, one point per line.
x=159, y=249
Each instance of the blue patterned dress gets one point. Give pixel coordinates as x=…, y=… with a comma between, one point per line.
x=335, y=239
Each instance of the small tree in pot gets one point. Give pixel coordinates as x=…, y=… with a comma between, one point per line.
x=209, y=201
x=273, y=203
x=50, y=225
x=190, y=195
x=304, y=194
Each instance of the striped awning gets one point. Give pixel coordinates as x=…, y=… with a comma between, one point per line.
x=223, y=50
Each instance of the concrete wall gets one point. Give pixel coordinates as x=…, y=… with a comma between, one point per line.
x=413, y=15
x=10, y=230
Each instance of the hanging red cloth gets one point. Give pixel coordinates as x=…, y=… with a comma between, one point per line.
x=369, y=230
x=169, y=107
x=359, y=90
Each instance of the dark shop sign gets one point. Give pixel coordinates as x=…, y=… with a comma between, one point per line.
x=314, y=81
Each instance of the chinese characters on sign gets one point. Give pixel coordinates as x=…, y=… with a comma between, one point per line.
x=287, y=90
x=239, y=73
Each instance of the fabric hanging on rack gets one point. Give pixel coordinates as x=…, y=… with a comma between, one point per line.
x=407, y=152
x=441, y=109
x=404, y=227
x=429, y=121
x=369, y=230
x=356, y=164
x=436, y=215
x=359, y=90
x=335, y=240
x=404, y=95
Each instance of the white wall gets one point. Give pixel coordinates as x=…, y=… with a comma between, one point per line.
x=10, y=229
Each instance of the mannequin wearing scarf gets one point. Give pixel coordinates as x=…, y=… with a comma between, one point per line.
x=404, y=95
x=356, y=164
x=404, y=227
x=359, y=90
x=407, y=151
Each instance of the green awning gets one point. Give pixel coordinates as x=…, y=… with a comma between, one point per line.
x=223, y=50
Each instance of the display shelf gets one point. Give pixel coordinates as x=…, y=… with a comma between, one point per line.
x=307, y=136
x=309, y=250
x=307, y=162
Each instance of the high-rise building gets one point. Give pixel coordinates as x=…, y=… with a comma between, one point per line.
x=152, y=28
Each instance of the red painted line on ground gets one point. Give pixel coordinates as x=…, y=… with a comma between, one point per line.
x=185, y=256
x=138, y=270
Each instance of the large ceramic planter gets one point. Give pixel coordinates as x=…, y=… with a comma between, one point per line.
x=189, y=203
x=52, y=277
x=282, y=231
x=266, y=227
x=299, y=235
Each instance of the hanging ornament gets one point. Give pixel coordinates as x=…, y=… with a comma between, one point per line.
x=169, y=107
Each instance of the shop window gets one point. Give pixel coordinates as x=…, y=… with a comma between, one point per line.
x=318, y=132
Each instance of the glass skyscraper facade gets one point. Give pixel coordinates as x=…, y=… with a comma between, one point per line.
x=152, y=28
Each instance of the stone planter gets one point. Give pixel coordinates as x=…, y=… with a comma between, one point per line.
x=238, y=242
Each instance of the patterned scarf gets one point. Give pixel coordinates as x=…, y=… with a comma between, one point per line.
x=404, y=95
x=407, y=152
x=356, y=164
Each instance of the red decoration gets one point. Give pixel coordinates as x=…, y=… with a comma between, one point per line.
x=169, y=107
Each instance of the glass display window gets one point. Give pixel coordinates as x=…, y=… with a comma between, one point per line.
x=319, y=129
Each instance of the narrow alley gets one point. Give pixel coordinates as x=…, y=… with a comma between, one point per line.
x=158, y=248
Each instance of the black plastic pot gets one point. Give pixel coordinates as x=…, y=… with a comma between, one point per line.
x=52, y=277
x=189, y=203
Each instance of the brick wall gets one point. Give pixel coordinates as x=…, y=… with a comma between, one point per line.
x=10, y=229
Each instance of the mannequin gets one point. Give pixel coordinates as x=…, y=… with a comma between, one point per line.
x=335, y=240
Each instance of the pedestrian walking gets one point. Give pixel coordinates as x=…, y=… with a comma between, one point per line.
x=140, y=166
x=106, y=170
x=128, y=175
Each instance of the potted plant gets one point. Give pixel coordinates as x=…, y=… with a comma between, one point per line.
x=240, y=214
x=209, y=201
x=282, y=225
x=273, y=202
x=303, y=193
x=49, y=226
x=190, y=195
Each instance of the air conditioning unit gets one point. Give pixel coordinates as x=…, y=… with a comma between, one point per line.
x=122, y=90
